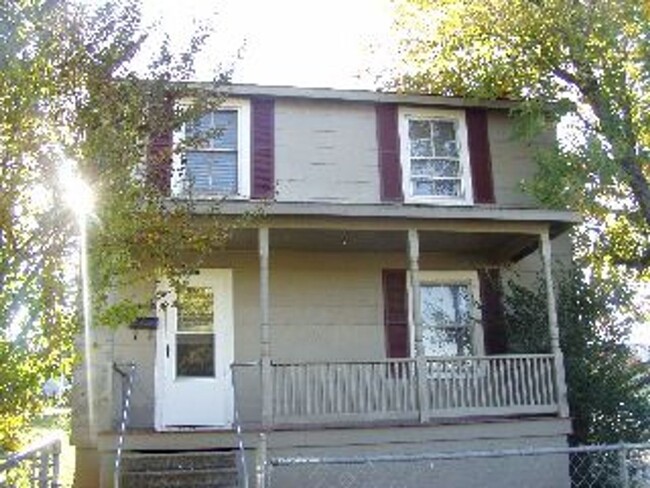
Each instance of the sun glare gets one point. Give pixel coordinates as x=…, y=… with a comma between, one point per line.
x=76, y=192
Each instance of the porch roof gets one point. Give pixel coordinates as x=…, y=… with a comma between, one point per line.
x=493, y=233
x=395, y=216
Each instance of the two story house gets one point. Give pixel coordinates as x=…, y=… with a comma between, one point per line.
x=362, y=311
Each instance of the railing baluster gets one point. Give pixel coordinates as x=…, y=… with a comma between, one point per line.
x=530, y=372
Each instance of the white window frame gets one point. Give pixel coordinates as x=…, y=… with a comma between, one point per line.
x=406, y=114
x=179, y=184
x=451, y=278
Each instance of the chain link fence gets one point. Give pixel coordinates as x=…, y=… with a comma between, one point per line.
x=616, y=466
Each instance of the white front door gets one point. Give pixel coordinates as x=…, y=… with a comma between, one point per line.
x=195, y=350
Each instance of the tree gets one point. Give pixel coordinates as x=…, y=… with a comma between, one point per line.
x=607, y=385
x=71, y=100
x=587, y=59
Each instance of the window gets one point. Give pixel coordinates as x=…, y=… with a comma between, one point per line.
x=215, y=161
x=435, y=159
x=449, y=314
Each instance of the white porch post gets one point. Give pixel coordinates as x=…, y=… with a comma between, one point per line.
x=560, y=377
x=266, y=386
x=416, y=317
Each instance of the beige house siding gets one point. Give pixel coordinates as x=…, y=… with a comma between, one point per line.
x=325, y=151
x=527, y=271
x=512, y=161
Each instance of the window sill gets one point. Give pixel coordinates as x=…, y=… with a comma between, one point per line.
x=210, y=197
x=433, y=201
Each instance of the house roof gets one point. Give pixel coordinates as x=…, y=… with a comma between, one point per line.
x=368, y=96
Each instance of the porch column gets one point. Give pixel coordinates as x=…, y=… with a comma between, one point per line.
x=266, y=386
x=560, y=377
x=416, y=317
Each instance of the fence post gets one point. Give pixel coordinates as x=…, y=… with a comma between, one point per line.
x=261, y=465
x=43, y=468
x=56, y=463
x=622, y=466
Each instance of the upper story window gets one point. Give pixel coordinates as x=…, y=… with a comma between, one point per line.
x=215, y=161
x=434, y=156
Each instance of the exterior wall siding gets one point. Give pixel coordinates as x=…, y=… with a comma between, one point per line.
x=326, y=151
x=527, y=271
x=512, y=161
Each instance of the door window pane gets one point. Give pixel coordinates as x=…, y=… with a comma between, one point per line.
x=195, y=310
x=195, y=355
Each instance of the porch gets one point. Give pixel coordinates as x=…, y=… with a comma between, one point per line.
x=417, y=379
x=316, y=334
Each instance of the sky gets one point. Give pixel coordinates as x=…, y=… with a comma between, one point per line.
x=283, y=42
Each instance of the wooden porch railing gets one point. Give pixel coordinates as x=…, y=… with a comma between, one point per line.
x=322, y=392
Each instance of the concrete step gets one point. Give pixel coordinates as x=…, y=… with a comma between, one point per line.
x=178, y=460
x=187, y=469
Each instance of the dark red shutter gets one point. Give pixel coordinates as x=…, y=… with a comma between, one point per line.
x=262, y=148
x=494, y=332
x=161, y=147
x=395, y=313
x=479, y=155
x=390, y=170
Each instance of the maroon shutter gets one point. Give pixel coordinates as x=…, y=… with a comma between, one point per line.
x=395, y=313
x=160, y=147
x=479, y=155
x=262, y=148
x=494, y=331
x=390, y=170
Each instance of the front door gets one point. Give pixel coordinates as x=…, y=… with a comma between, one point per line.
x=196, y=349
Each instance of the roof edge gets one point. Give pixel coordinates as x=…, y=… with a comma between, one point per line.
x=348, y=95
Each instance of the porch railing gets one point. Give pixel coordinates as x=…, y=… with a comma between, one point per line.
x=408, y=389
x=36, y=467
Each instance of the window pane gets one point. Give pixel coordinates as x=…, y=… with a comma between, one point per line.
x=195, y=310
x=419, y=129
x=446, y=320
x=447, y=342
x=435, y=167
x=195, y=355
x=215, y=130
x=422, y=188
x=211, y=173
x=225, y=123
x=421, y=148
x=447, y=188
x=444, y=138
x=445, y=305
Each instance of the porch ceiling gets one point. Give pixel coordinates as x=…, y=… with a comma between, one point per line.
x=495, y=247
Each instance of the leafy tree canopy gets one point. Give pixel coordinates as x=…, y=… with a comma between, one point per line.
x=608, y=386
x=71, y=102
x=589, y=59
